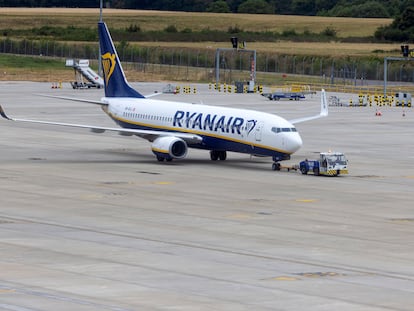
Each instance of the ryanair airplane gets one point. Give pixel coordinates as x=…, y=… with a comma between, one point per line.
x=173, y=127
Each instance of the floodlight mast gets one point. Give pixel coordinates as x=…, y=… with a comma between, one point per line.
x=408, y=55
x=100, y=10
x=219, y=50
x=386, y=59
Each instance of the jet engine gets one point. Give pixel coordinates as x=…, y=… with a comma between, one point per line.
x=169, y=147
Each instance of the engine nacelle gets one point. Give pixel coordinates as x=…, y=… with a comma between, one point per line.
x=169, y=147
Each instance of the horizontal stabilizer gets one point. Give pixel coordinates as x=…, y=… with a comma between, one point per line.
x=96, y=102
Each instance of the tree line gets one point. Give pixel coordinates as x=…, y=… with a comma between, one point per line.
x=345, y=8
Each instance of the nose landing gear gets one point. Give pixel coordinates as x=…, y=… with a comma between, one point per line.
x=276, y=159
x=276, y=166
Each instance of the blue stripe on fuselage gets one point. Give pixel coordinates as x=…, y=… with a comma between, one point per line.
x=210, y=141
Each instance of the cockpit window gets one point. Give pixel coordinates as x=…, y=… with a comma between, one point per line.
x=283, y=129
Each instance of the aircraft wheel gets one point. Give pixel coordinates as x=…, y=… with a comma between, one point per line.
x=214, y=155
x=160, y=159
x=276, y=166
x=222, y=155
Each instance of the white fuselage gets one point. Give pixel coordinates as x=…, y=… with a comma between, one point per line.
x=230, y=129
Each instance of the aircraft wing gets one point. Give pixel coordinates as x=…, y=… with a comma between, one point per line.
x=150, y=135
x=323, y=113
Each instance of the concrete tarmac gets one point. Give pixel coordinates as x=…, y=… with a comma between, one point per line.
x=94, y=222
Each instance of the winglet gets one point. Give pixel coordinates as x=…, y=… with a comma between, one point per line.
x=324, y=104
x=3, y=114
x=323, y=113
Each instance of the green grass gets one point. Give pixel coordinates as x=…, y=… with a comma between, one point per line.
x=25, y=18
x=17, y=61
x=61, y=25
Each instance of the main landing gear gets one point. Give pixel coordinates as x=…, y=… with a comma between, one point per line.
x=218, y=155
x=161, y=159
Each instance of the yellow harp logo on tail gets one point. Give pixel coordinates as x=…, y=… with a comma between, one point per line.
x=108, y=64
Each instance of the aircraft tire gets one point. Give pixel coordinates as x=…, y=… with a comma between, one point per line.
x=276, y=166
x=222, y=155
x=214, y=155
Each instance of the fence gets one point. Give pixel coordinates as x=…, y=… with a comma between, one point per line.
x=180, y=60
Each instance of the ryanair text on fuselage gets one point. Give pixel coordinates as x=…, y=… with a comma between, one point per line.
x=215, y=123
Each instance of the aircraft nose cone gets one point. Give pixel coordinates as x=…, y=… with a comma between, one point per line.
x=294, y=142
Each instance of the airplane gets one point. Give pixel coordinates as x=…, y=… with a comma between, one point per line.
x=173, y=127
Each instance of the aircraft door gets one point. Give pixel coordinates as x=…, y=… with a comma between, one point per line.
x=258, y=131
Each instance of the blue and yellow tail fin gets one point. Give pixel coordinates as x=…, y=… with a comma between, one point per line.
x=116, y=85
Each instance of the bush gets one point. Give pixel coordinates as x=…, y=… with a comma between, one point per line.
x=289, y=33
x=219, y=6
x=234, y=29
x=133, y=28
x=256, y=7
x=395, y=35
x=329, y=32
x=171, y=29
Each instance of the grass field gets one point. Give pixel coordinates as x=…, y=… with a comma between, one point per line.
x=14, y=67
x=27, y=18
x=17, y=18
x=158, y=20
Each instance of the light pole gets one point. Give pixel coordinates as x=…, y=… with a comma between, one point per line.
x=100, y=10
x=99, y=56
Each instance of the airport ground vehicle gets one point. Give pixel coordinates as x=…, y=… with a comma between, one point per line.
x=329, y=163
x=403, y=99
x=284, y=95
x=82, y=70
